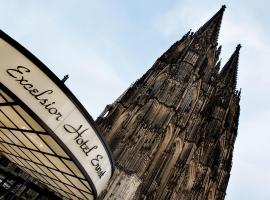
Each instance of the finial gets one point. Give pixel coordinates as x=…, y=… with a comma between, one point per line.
x=239, y=92
x=217, y=67
x=238, y=47
x=65, y=78
x=219, y=49
x=223, y=7
x=212, y=26
x=187, y=34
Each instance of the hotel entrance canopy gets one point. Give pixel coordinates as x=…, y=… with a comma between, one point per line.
x=45, y=130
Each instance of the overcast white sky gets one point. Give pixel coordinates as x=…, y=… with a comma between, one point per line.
x=106, y=45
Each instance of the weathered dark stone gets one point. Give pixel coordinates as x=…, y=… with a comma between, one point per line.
x=172, y=132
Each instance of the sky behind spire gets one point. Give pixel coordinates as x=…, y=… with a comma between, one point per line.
x=104, y=46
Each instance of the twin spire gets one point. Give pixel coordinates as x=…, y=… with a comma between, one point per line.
x=230, y=70
x=210, y=30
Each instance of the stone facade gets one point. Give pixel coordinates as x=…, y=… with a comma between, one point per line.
x=173, y=131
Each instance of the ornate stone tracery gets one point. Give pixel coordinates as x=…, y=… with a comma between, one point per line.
x=172, y=132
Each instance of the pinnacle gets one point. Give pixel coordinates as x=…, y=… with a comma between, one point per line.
x=229, y=71
x=238, y=47
x=212, y=27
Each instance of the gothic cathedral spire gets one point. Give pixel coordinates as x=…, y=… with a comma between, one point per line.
x=210, y=30
x=172, y=132
x=229, y=71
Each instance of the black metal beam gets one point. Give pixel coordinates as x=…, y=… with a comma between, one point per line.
x=8, y=104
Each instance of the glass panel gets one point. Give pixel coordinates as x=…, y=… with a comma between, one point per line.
x=2, y=100
x=54, y=146
x=77, y=183
x=20, y=153
x=29, y=119
x=89, y=196
x=24, y=140
x=4, y=95
x=11, y=158
x=34, y=166
x=73, y=197
x=19, y=162
x=76, y=192
x=38, y=142
x=41, y=178
x=4, y=149
x=63, y=193
x=74, y=168
x=86, y=184
x=4, y=137
x=63, y=186
x=11, y=136
x=61, y=177
x=6, y=121
x=30, y=155
x=43, y=159
x=59, y=164
x=48, y=172
x=15, y=117
x=46, y=180
x=51, y=182
x=10, y=149
x=26, y=164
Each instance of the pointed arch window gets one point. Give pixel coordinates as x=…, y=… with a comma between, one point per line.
x=191, y=176
x=203, y=66
x=188, y=100
x=186, y=103
x=158, y=84
x=191, y=57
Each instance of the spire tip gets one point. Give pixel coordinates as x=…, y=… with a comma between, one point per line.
x=238, y=47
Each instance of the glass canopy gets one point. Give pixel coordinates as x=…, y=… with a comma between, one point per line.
x=45, y=130
x=26, y=143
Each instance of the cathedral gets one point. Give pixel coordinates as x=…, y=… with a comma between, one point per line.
x=172, y=133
